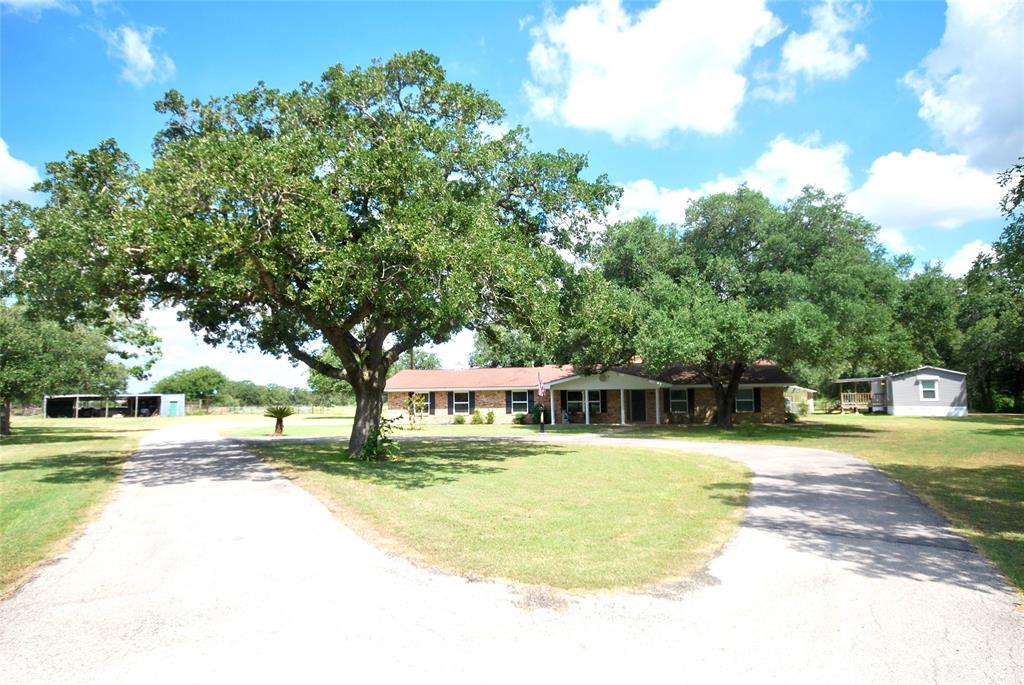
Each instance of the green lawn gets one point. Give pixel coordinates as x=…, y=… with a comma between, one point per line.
x=969, y=469
x=54, y=475
x=567, y=517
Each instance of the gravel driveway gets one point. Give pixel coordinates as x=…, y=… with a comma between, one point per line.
x=208, y=566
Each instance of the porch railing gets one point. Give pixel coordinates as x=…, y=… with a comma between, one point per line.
x=863, y=399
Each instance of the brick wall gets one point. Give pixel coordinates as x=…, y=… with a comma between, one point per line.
x=484, y=401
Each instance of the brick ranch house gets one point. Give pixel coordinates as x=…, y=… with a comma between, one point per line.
x=623, y=395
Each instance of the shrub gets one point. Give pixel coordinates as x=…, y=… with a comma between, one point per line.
x=279, y=413
x=477, y=417
x=519, y=418
x=490, y=417
x=803, y=408
x=379, y=446
x=791, y=417
x=459, y=419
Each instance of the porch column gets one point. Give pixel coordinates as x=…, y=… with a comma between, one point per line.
x=622, y=405
x=551, y=405
x=76, y=406
x=657, y=406
x=586, y=406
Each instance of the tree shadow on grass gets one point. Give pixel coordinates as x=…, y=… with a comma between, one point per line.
x=750, y=432
x=39, y=435
x=80, y=467
x=420, y=464
x=874, y=526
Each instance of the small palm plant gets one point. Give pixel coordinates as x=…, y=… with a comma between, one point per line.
x=279, y=413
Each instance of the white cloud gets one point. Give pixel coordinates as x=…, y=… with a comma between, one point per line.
x=16, y=176
x=961, y=262
x=925, y=189
x=787, y=166
x=894, y=241
x=141, y=61
x=183, y=350
x=780, y=173
x=675, y=66
x=971, y=87
x=37, y=6
x=644, y=197
x=824, y=52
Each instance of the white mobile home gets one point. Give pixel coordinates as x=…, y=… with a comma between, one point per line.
x=924, y=391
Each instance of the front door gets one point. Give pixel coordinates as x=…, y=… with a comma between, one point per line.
x=637, y=406
x=172, y=409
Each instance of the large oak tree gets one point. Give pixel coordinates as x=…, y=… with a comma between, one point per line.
x=377, y=210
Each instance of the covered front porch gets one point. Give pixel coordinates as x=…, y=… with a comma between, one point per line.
x=611, y=397
x=867, y=394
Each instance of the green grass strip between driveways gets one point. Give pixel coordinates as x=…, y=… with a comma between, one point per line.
x=54, y=474
x=567, y=517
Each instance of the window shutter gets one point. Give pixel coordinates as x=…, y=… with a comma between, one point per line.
x=563, y=401
x=666, y=400
x=451, y=402
x=508, y=401
x=431, y=400
x=604, y=401
x=757, y=399
x=529, y=401
x=689, y=402
x=472, y=401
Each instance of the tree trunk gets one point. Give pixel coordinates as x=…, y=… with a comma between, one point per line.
x=1018, y=391
x=278, y=426
x=5, y=417
x=725, y=394
x=369, y=407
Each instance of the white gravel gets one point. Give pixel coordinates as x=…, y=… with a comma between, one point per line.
x=208, y=566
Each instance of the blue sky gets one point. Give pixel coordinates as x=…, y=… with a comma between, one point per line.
x=909, y=108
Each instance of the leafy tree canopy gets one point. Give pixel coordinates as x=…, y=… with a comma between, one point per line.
x=39, y=357
x=372, y=212
x=203, y=383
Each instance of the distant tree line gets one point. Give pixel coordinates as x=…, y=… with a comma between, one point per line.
x=806, y=284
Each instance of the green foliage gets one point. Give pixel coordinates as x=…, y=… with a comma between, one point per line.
x=202, y=383
x=459, y=419
x=74, y=259
x=991, y=311
x=489, y=418
x=379, y=445
x=519, y=418
x=279, y=412
x=927, y=306
x=804, y=284
x=40, y=357
x=803, y=408
x=415, y=359
x=498, y=346
x=477, y=418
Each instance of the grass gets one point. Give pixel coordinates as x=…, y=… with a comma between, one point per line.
x=54, y=475
x=970, y=469
x=578, y=518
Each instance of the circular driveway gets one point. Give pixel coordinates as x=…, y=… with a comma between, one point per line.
x=209, y=566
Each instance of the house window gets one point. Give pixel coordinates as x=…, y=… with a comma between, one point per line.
x=520, y=401
x=460, y=402
x=420, y=403
x=678, y=402
x=929, y=389
x=744, y=400
x=594, y=399
x=574, y=401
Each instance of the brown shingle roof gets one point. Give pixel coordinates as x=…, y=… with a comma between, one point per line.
x=760, y=372
x=475, y=379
